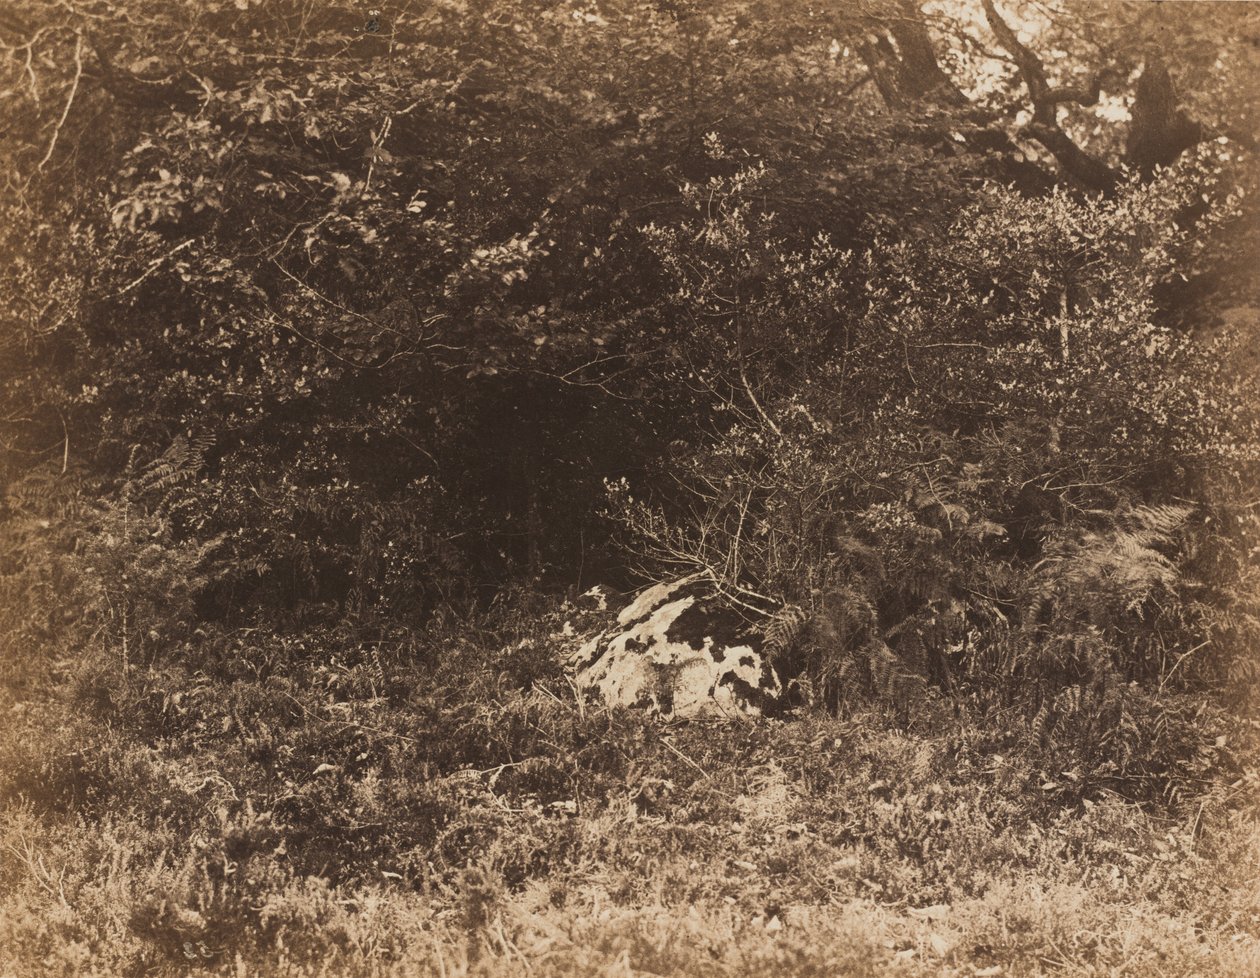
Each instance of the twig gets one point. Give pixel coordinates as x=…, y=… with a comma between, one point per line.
x=74, y=89
x=30, y=72
x=1064, y=327
x=508, y=944
x=315, y=343
x=39, y=872
x=577, y=697
x=854, y=86
x=323, y=298
x=679, y=754
x=65, y=454
x=422, y=451
x=1182, y=658
x=743, y=376
x=1194, y=829
x=153, y=267
x=378, y=139
x=311, y=715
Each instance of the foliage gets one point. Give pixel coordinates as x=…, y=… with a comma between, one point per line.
x=371, y=807
x=925, y=467
x=397, y=269
x=338, y=346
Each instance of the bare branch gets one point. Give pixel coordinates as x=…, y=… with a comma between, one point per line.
x=1081, y=96
x=65, y=112
x=126, y=86
x=1045, y=128
x=30, y=72
x=153, y=267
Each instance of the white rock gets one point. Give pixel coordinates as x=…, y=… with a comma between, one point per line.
x=676, y=651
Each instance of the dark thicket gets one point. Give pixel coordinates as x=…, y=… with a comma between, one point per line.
x=868, y=312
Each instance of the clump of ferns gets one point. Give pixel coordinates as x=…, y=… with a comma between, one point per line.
x=1108, y=732
x=836, y=639
x=137, y=575
x=838, y=657
x=1106, y=627
x=1105, y=586
x=1222, y=613
x=823, y=639
x=39, y=513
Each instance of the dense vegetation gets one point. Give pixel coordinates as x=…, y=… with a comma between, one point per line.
x=343, y=348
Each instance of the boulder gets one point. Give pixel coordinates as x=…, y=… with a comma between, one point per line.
x=677, y=651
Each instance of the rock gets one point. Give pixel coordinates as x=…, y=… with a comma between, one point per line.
x=595, y=599
x=675, y=650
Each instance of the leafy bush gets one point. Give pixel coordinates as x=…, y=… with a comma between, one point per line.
x=971, y=469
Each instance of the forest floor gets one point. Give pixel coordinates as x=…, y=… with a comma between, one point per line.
x=326, y=807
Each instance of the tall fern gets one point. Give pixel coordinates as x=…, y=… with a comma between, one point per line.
x=182, y=459
x=782, y=631
x=1101, y=576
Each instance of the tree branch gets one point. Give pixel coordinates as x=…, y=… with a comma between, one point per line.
x=1044, y=128
x=1089, y=170
x=1030, y=67
x=876, y=62
x=133, y=89
x=65, y=112
x=909, y=70
x=922, y=73
x=1081, y=96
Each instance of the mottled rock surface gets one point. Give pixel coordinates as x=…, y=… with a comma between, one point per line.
x=676, y=651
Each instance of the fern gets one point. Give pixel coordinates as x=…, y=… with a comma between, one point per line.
x=784, y=629
x=1041, y=722
x=1099, y=576
x=1160, y=522
x=183, y=458
x=864, y=560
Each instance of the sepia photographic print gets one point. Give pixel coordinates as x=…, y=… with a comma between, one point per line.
x=629, y=489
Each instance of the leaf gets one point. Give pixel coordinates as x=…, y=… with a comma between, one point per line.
x=985, y=529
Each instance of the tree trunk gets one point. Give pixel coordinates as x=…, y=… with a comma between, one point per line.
x=1160, y=131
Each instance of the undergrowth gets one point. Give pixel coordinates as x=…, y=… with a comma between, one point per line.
x=443, y=803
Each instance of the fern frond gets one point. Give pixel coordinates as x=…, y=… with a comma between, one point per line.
x=784, y=628
x=1096, y=576
x=861, y=556
x=1162, y=520
x=1039, y=725
x=182, y=459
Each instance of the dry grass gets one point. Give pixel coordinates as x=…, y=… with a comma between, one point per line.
x=367, y=817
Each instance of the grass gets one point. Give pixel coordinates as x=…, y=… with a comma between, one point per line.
x=446, y=806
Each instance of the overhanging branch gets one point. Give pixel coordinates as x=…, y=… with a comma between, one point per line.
x=1044, y=128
